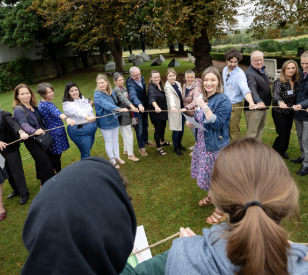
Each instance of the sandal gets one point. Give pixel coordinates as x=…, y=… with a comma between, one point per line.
x=216, y=218
x=161, y=152
x=115, y=164
x=205, y=201
x=166, y=143
x=191, y=148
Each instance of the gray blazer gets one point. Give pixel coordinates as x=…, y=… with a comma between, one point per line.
x=126, y=117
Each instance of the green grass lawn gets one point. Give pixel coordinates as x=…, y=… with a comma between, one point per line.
x=164, y=196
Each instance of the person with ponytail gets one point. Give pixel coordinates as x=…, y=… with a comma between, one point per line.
x=252, y=185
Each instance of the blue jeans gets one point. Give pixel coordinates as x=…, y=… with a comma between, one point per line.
x=178, y=135
x=142, y=129
x=83, y=137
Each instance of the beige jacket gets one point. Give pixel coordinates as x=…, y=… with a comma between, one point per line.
x=173, y=100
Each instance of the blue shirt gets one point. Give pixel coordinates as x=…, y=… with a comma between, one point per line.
x=206, y=255
x=236, y=87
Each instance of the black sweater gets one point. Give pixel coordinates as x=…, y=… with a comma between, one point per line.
x=158, y=96
x=259, y=85
x=9, y=131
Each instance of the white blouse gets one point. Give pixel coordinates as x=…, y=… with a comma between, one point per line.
x=78, y=109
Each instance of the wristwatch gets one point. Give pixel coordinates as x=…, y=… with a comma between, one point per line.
x=65, y=118
x=21, y=131
x=279, y=101
x=206, y=109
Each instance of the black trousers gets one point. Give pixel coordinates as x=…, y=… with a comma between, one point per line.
x=13, y=166
x=159, y=134
x=283, y=123
x=55, y=160
x=42, y=162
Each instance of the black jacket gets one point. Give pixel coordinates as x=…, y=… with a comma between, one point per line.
x=302, y=97
x=158, y=96
x=9, y=131
x=259, y=86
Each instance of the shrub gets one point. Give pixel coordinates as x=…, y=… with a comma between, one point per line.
x=272, y=47
x=246, y=39
x=22, y=71
x=283, y=51
x=4, y=80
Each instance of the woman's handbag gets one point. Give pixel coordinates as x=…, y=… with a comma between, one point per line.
x=44, y=140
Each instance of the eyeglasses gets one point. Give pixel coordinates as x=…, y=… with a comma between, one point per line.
x=227, y=77
x=136, y=75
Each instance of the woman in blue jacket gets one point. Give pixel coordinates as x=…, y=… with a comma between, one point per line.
x=106, y=105
x=213, y=115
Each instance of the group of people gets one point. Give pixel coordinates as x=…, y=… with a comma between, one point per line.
x=99, y=240
x=254, y=198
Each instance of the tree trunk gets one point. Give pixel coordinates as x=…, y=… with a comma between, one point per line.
x=57, y=65
x=181, y=48
x=103, y=57
x=201, y=51
x=84, y=59
x=142, y=42
x=116, y=50
x=129, y=46
x=171, y=48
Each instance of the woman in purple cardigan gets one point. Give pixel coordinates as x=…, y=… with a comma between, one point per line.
x=30, y=120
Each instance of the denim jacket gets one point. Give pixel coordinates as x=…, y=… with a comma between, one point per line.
x=217, y=135
x=104, y=105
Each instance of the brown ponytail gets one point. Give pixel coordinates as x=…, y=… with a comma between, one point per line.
x=249, y=170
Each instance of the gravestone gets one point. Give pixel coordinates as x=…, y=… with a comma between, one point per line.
x=162, y=58
x=132, y=58
x=110, y=66
x=156, y=61
x=151, y=56
x=123, y=62
x=174, y=63
x=138, y=62
x=109, y=57
x=144, y=56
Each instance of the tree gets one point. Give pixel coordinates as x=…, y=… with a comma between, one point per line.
x=271, y=17
x=197, y=21
x=21, y=26
x=246, y=39
x=92, y=21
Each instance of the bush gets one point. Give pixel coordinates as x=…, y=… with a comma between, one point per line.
x=19, y=70
x=246, y=39
x=4, y=80
x=22, y=70
x=283, y=51
x=272, y=47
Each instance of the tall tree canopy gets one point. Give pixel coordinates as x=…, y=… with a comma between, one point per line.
x=21, y=26
x=92, y=21
x=271, y=17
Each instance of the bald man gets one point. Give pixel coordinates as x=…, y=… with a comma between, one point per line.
x=259, y=85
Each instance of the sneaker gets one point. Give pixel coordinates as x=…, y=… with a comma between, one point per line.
x=133, y=158
x=150, y=144
x=143, y=152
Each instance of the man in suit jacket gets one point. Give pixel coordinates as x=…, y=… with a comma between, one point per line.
x=259, y=85
x=138, y=96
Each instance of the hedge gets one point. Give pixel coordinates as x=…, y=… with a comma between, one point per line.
x=246, y=59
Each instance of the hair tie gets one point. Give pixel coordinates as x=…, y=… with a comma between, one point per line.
x=252, y=203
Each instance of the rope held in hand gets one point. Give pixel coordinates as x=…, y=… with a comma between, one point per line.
x=148, y=111
x=152, y=245
x=171, y=237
